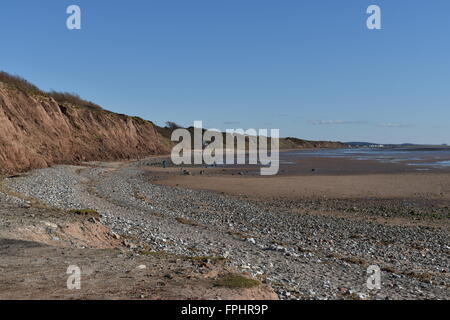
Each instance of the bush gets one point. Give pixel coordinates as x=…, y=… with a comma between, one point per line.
x=60, y=97
x=20, y=83
x=72, y=98
x=172, y=125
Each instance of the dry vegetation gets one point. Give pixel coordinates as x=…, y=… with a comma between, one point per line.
x=19, y=83
x=236, y=281
x=73, y=99
x=61, y=97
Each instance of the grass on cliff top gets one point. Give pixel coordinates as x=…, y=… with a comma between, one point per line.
x=73, y=99
x=236, y=281
x=60, y=97
x=19, y=83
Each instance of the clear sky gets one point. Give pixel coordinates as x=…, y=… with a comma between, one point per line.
x=308, y=67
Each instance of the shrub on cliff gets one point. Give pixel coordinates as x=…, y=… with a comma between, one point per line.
x=61, y=97
x=20, y=83
x=72, y=98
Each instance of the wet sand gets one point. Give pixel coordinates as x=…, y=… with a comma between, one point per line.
x=316, y=178
x=430, y=186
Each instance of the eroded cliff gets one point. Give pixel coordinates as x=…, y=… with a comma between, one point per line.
x=36, y=131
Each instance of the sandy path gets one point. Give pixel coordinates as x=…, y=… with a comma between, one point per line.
x=40, y=272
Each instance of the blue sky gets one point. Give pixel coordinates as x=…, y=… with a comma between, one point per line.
x=310, y=68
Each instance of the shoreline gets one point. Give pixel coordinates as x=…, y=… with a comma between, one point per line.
x=312, y=177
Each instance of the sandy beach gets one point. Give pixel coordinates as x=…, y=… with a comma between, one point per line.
x=342, y=178
x=304, y=236
x=386, y=186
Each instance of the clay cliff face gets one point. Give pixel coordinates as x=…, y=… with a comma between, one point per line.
x=295, y=143
x=36, y=132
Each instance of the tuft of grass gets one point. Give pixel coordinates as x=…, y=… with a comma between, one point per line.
x=188, y=222
x=97, y=137
x=143, y=198
x=389, y=269
x=34, y=203
x=206, y=258
x=236, y=281
x=355, y=260
x=424, y=277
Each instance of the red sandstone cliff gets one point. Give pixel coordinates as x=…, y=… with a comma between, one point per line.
x=36, y=131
